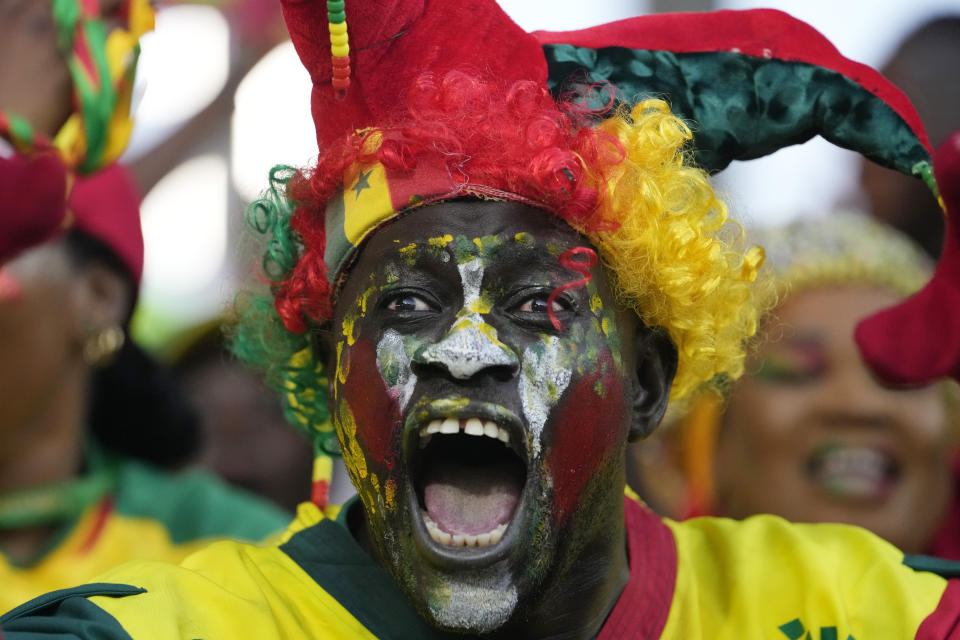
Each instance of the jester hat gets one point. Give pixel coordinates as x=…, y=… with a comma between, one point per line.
x=751, y=82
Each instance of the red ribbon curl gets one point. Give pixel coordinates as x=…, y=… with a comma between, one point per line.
x=569, y=259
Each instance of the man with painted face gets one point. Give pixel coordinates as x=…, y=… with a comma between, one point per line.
x=478, y=295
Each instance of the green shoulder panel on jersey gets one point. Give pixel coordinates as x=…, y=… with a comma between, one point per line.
x=194, y=505
x=330, y=556
x=939, y=566
x=67, y=614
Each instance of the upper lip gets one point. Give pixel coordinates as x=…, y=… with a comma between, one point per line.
x=422, y=414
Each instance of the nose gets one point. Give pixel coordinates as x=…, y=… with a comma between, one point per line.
x=855, y=397
x=469, y=348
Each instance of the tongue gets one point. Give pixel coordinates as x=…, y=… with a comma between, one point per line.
x=469, y=499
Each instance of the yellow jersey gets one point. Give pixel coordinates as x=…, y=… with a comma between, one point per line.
x=704, y=578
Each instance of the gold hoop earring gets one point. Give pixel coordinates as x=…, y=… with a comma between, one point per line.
x=101, y=347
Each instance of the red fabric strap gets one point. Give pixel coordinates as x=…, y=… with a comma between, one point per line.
x=643, y=607
x=944, y=622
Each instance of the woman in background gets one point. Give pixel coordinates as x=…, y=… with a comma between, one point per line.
x=86, y=419
x=808, y=433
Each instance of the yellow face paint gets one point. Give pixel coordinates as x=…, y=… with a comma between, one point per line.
x=441, y=241
x=410, y=251
x=353, y=456
x=348, y=326
x=343, y=367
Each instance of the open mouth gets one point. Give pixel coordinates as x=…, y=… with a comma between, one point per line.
x=853, y=471
x=468, y=480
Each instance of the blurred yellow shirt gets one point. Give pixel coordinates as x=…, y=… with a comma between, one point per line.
x=148, y=514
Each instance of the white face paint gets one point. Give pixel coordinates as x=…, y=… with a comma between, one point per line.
x=471, y=345
x=544, y=376
x=393, y=361
x=477, y=600
x=471, y=277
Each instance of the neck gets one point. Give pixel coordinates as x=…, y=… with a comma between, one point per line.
x=43, y=448
x=579, y=600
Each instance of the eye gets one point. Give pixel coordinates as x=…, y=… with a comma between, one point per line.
x=782, y=369
x=407, y=303
x=538, y=304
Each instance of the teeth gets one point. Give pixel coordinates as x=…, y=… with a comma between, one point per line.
x=470, y=426
x=436, y=532
x=463, y=539
x=473, y=427
x=450, y=425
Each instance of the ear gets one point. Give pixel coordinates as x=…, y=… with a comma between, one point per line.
x=655, y=365
x=102, y=296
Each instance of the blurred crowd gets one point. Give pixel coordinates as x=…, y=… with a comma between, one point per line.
x=130, y=430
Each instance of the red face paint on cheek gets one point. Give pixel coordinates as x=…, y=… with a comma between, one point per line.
x=376, y=413
x=587, y=430
x=10, y=289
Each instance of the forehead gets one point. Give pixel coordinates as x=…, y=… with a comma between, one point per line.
x=531, y=230
x=477, y=218
x=828, y=313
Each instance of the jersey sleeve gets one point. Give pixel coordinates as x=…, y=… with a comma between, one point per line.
x=67, y=614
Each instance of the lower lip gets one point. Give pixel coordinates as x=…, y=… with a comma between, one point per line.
x=856, y=488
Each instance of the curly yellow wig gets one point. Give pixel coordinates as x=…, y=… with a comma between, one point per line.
x=672, y=256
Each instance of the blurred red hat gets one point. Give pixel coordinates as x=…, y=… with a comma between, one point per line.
x=32, y=189
x=106, y=205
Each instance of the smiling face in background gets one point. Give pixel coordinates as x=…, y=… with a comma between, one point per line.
x=810, y=435
x=486, y=445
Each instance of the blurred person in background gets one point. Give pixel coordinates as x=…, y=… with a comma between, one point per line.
x=808, y=433
x=246, y=439
x=66, y=84
x=86, y=418
x=926, y=66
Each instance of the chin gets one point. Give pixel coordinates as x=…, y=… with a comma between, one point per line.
x=478, y=600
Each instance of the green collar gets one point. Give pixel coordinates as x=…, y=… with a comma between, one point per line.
x=330, y=555
x=59, y=502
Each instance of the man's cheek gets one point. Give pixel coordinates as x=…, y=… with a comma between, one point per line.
x=587, y=430
x=375, y=417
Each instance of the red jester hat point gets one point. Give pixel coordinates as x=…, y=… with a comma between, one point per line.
x=918, y=340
